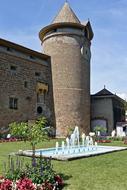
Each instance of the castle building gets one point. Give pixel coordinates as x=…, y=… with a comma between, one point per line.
x=107, y=109
x=25, y=84
x=54, y=83
x=68, y=42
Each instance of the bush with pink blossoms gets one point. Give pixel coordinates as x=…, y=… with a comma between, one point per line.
x=6, y=184
x=40, y=176
x=25, y=184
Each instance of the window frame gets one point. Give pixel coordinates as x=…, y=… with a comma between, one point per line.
x=13, y=103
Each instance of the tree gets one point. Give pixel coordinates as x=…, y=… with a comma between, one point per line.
x=33, y=133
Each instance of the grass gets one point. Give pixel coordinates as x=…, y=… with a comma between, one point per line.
x=105, y=172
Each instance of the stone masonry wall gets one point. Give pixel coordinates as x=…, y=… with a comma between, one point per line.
x=12, y=85
x=71, y=79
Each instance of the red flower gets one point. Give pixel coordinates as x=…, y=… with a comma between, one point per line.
x=59, y=180
x=46, y=186
x=25, y=184
x=6, y=185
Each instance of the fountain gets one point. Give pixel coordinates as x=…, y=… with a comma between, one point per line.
x=72, y=148
x=73, y=145
x=63, y=146
x=57, y=147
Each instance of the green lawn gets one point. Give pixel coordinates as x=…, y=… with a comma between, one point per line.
x=105, y=172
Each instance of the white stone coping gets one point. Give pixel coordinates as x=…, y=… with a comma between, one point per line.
x=107, y=149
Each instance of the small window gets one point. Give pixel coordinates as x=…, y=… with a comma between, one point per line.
x=40, y=98
x=55, y=30
x=8, y=49
x=32, y=57
x=37, y=74
x=26, y=84
x=39, y=109
x=13, y=68
x=13, y=103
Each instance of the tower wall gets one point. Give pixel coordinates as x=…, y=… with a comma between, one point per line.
x=70, y=62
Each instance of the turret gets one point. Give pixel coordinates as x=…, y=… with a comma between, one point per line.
x=68, y=42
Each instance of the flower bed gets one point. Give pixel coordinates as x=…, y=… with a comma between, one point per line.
x=35, y=175
x=10, y=140
x=27, y=184
x=103, y=141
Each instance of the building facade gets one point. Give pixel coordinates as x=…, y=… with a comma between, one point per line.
x=106, y=110
x=25, y=84
x=54, y=83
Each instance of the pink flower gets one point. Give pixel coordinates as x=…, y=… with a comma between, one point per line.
x=6, y=185
x=25, y=184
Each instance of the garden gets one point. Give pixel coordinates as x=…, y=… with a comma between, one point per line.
x=100, y=172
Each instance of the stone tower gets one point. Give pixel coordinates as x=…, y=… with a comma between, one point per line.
x=68, y=41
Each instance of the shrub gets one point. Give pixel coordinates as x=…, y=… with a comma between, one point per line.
x=25, y=183
x=33, y=133
x=42, y=174
x=99, y=128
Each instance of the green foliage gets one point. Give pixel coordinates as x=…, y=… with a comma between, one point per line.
x=13, y=168
x=117, y=138
x=19, y=130
x=70, y=130
x=107, y=171
x=41, y=172
x=34, y=133
x=99, y=128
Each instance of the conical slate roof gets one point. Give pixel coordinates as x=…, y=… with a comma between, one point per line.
x=66, y=14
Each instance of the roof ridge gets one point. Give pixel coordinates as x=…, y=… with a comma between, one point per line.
x=104, y=91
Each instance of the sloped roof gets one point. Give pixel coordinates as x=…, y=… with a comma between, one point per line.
x=23, y=49
x=66, y=14
x=66, y=18
x=104, y=92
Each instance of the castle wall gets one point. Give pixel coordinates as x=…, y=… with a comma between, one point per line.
x=19, y=76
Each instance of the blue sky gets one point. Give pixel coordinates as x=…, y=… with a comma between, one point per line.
x=21, y=20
